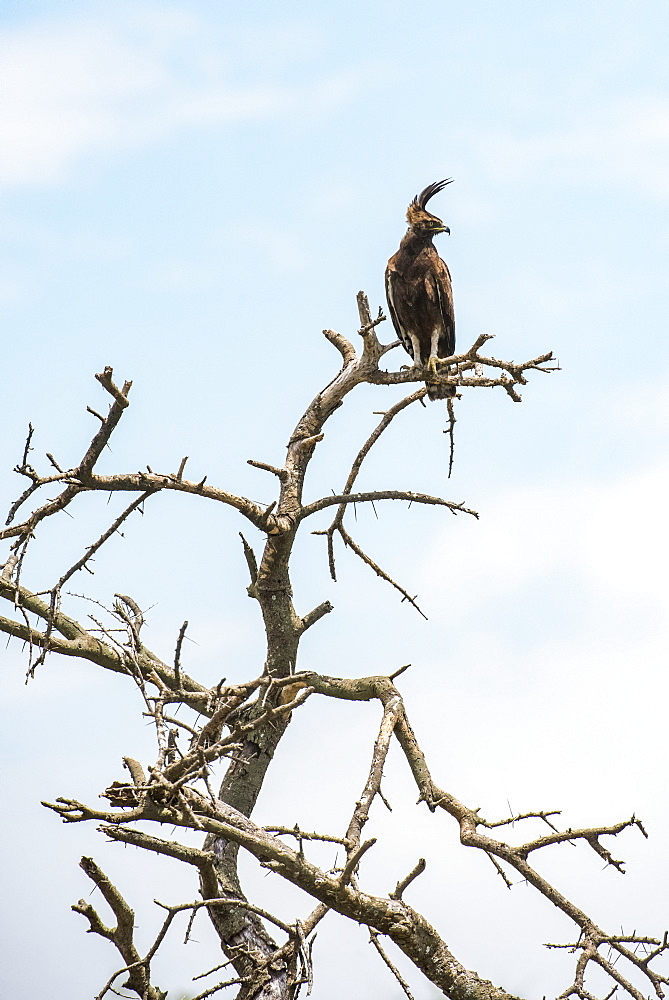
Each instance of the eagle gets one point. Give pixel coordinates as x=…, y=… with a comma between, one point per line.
x=419, y=293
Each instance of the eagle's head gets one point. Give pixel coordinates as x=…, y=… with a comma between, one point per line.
x=420, y=220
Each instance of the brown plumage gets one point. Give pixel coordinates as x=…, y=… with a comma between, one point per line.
x=418, y=289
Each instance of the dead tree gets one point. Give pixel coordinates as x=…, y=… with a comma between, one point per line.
x=239, y=727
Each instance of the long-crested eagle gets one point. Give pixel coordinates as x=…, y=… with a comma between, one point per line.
x=419, y=293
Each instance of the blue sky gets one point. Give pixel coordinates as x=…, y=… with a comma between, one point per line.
x=191, y=192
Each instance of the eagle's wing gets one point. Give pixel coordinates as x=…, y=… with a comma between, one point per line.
x=440, y=293
x=396, y=294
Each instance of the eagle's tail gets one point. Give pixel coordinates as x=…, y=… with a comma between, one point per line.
x=440, y=390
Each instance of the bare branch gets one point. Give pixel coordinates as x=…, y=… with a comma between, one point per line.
x=500, y=871
x=450, y=431
x=543, y=815
x=136, y=771
x=351, y=865
x=105, y=378
x=418, y=869
x=360, y=457
x=219, y=901
x=252, y=564
x=134, y=619
x=314, y=616
x=280, y=473
x=372, y=349
x=424, y=498
x=392, y=709
x=344, y=346
x=54, y=462
x=590, y=835
x=27, y=448
x=300, y=835
x=471, y=360
x=374, y=939
x=140, y=481
x=177, y=654
x=122, y=936
x=348, y=541
x=92, y=549
x=182, y=466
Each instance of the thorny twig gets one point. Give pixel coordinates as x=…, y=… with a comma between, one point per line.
x=450, y=431
x=374, y=939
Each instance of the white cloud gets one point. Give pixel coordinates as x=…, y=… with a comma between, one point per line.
x=609, y=539
x=626, y=142
x=12, y=289
x=64, y=93
x=554, y=640
x=72, y=88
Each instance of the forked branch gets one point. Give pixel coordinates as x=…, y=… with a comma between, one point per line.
x=121, y=936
